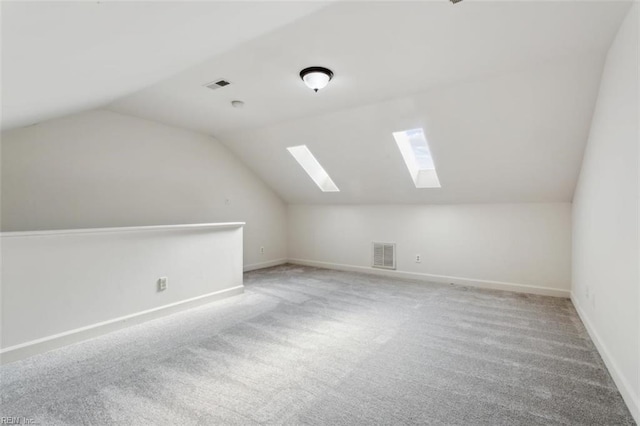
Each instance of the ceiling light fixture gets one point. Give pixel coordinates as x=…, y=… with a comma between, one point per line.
x=316, y=78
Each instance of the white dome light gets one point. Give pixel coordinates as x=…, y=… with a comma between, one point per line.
x=316, y=78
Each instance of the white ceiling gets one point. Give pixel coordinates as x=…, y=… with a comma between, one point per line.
x=514, y=137
x=378, y=51
x=504, y=91
x=63, y=57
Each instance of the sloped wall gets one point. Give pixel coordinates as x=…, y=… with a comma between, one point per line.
x=105, y=169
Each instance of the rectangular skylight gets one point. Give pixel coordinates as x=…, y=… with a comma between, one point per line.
x=313, y=168
x=415, y=151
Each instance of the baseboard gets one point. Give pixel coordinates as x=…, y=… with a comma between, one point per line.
x=267, y=264
x=45, y=344
x=417, y=276
x=630, y=397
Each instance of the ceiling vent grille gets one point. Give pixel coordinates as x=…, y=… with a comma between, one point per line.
x=218, y=84
x=384, y=255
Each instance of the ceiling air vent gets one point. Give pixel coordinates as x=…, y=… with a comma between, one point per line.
x=217, y=84
x=384, y=255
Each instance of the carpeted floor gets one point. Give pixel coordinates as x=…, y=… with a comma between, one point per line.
x=313, y=346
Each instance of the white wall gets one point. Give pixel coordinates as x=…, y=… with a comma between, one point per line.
x=61, y=287
x=606, y=258
x=104, y=169
x=524, y=247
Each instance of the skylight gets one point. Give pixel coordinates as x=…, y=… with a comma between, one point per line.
x=310, y=165
x=415, y=151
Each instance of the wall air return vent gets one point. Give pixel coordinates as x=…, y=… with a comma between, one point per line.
x=217, y=84
x=384, y=255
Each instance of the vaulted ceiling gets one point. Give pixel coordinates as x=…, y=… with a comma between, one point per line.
x=504, y=90
x=61, y=57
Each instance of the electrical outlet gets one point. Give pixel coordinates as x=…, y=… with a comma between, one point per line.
x=261, y=250
x=418, y=258
x=162, y=283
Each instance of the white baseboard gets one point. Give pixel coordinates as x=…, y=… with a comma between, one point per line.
x=34, y=347
x=417, y=276
x=260, y=265
x=629, y=396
